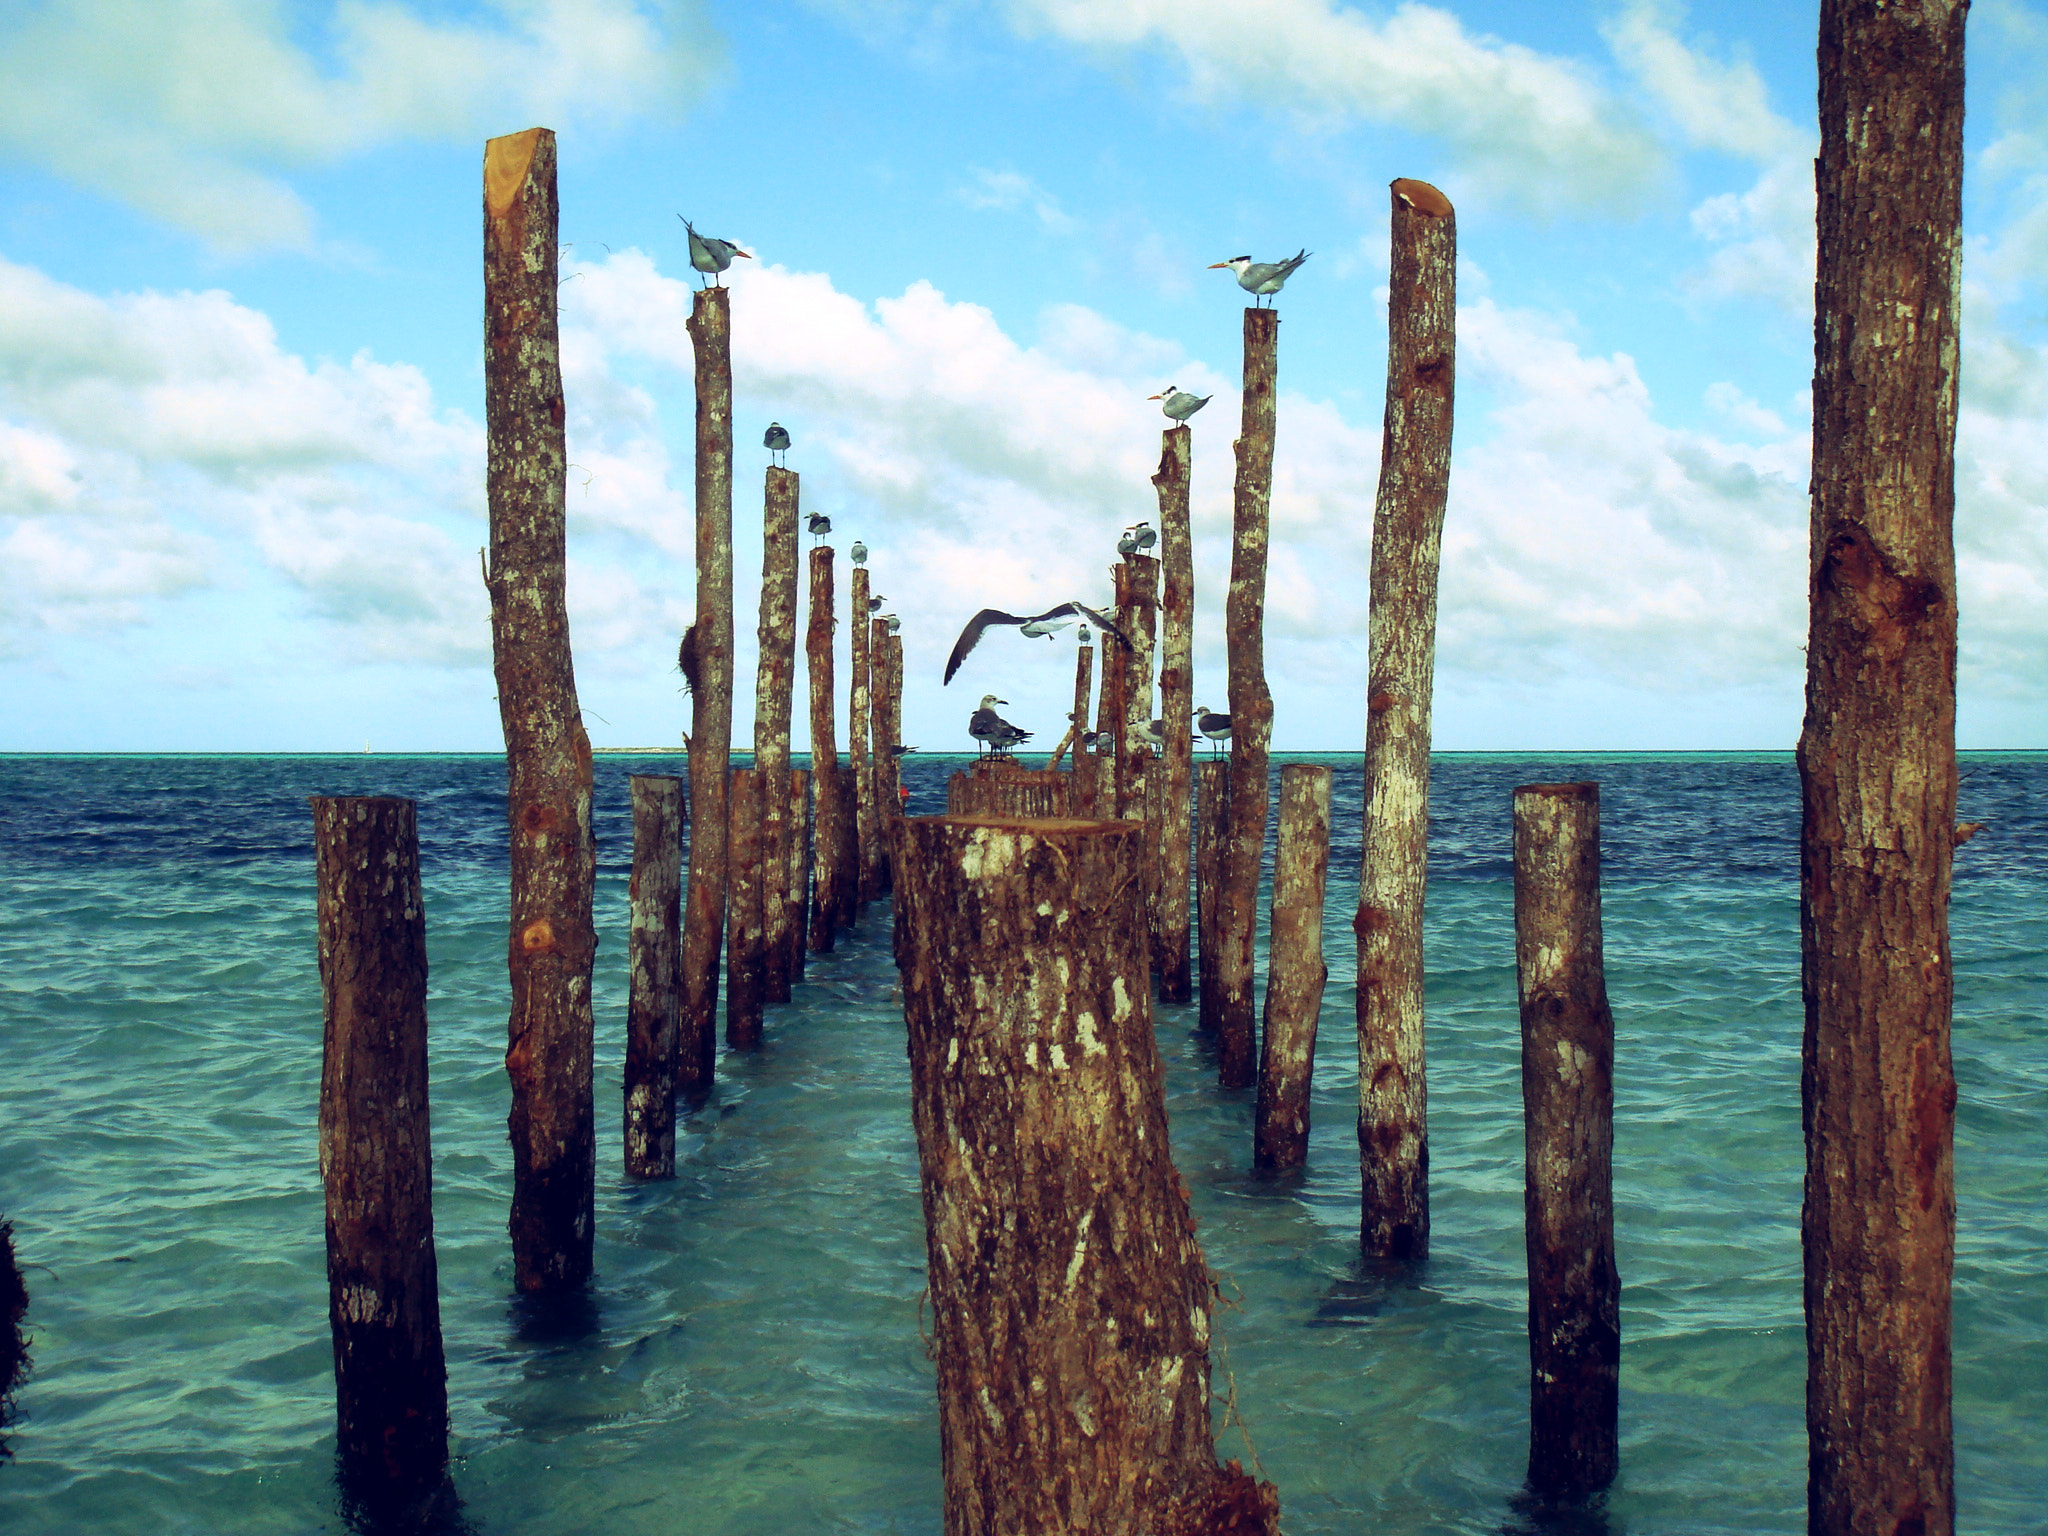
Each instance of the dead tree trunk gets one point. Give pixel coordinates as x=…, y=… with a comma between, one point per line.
x=553, y=940
x=654, y=963
x=709, y=643
x=1295, y=972
x=1408, y=521
x=826, y=840
x=1077, y=722
x=1176, y=707
x=746, y=957
x=1568, y=1118
x=1212, y=818
x=1878, y=772
x=383, y=1301
x=774, y=688
x=1251, y=705
x=1070, y=1302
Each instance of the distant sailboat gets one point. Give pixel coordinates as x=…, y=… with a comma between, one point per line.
x=366, y=746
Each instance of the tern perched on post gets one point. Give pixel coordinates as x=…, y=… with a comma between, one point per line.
x=1262, y=279
x=991, y=729
x=711, y=256
x=1212, y=725
x=1065, y=612
x=1145, y=536
x=1127, y=546
x=1180, y=404
x=776, y=441
x=859, y=553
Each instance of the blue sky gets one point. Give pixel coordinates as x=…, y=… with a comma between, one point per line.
x=241, y=389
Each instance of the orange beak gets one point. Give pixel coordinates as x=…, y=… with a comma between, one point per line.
x=738, y=252
x=1155, y=397
x=1215, y=264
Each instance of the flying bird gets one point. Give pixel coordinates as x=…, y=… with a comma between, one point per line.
x=971, y=635
x=991, y=729
x=859, y=553
x=819, y=525
x=1262, y=279
x=709, y=255
x=776, y=440
x=1212, y=725
x=1179, y=404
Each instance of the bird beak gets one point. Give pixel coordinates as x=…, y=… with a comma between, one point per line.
x=1155, y=397
x=748, y=254
x=1215, y=264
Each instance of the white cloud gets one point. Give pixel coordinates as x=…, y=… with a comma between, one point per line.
x=1010, y=191
x=189, y=109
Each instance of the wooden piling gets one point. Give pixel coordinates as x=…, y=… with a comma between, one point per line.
x=1077, y=722
x=746, y=955
x=1070, y=1301
x=383, y=1302
x=552, y=943
x=1176, y=706
x=1878, y=773
x=797, y=896
x=881, y=754
x=710, y=642
x=1568, y=1119
x=774, y=687
x=859, y=712
x=1212, y=825
x=827, y=842
x=889, y=793
x=1251, y=705
x=1137, y=597
x=654, y=956
x=1295, y=972
x=1408, y=520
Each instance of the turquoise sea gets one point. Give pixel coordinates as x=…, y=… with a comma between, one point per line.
x=749, y=1357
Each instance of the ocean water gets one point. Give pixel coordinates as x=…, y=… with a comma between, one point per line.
x=749, y=1357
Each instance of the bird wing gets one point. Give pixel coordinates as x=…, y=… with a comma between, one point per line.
x=971, y=636
x=1101, y=621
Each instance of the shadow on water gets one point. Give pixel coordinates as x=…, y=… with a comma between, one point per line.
x=371, y=1505
x=1373, y=1288
x=552, y=1322
x=1537, y=1514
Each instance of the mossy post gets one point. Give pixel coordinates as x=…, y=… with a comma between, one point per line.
x=1176, y=706
x=654, y=957
x=383, y=1302
x=1251, y=705
x=774, y=689
x=711, y=641
x=1070, y=1301
x=827, y=843
x=1568, y=1140
x=552, y=944
x=1295, y=972
x=1408, y=521
x=1877, y=772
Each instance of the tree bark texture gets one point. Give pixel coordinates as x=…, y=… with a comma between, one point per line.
x=1251, y=704
x=553, y=939
x=827, y=842
x=1212, y=825
x=774, y=689
x=859, y=723
x=998, y=787
x=1070, y=1301
x=654, y=964
x=1878, y=772
x=1295, y=972
x=383, y=1302
x=1408, y=521
x=889, y=793
x=798, y=895
x=1568, y=1137
x=1084, y=685
x=875, y=778
x=1137, y=595
x=711, y=697
x=746, y=956
x=1176, y=707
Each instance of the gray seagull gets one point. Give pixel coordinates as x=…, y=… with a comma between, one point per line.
x=1179, y=404
x=709, y=255
x=991, y=729
x=859, y=553
x=1262, y=279
x=776, y=440
x=1212, y=725
x=971, y=635
x=818, y=525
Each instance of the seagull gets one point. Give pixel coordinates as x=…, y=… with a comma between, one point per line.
x=875, y=604
x=711, y=256
x=1180, y=405
x=775, y=439
x=819, y=525
x=900, y=750
x=1212, y=725
x=1145, y=535
x=1046, y=627
x=971, y=635
x=859, y=553
x=895, y=624
x=1153, y=735
x=1261, y=279
x=985, y=725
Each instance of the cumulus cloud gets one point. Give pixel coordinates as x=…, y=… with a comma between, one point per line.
x=189, y=109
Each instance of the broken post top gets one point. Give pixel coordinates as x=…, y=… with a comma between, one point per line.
x=1560, y=791
x=1043, y=826
x=1421, y=197
x=507, y=160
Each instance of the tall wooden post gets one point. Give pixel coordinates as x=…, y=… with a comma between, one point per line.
x=1070, y=1302
x=890, y=792
x=1251, y=705
x=1212, y=825
x=774, y=686
x=827, y=842
x=1176, y=707
x=745, y=954
x=383, y=1301
x=1408, y=521
x=1568, y=1119
x=1295, y=972
x=797, y=897
x=654, y=956
x=710, y=640
x=1077, y=722
x=553, y=941
x=1137, y=594
x=859, y=723
x=1878, y=772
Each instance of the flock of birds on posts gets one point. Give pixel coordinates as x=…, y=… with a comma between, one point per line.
x=991, y=732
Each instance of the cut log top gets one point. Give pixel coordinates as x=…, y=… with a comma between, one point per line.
x=507, y=159
x=1422, y=197
x=1045, y=826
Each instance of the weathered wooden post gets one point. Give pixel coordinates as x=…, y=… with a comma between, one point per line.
x=1295, y=972
x=709, y=642
x=383, y=1302
x=1137, y=595
x=827, y=843
x=1176, y=707
x=1077, y=722
x=553, y=939
x=889, y=793
x=797, y=896
x=1251, y=704
x=746, y=956
x=1568, y=1119
x=654, y=956
x=1212, y=816
x=1408, y=521
x=774, y=686
x=1878, y=773
x=1070, y=1301
x=14, y=1358
x=859, y=725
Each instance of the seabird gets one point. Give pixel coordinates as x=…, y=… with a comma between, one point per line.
x=711, y=256
x=1180, y=405
x=859, y=553
x=1127, y=546
x=1045, y=627
x=990, y=728
x=899, y=750
x=893, y=622
x=775, y=440
x=1212, y=725
x=875, y=603
x=1153, y=735
x=971, y=635
x=1261, y=279
x=819, y=525
x=1146, y=536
